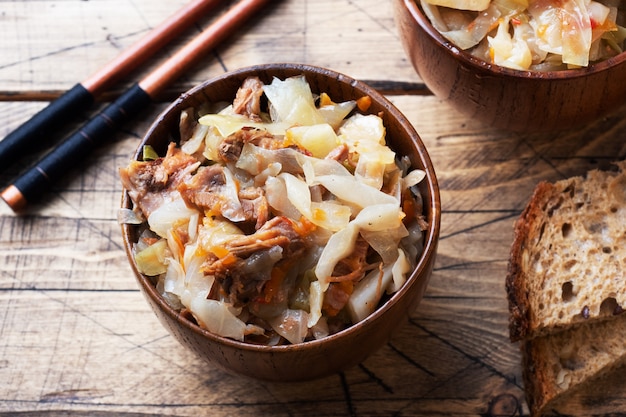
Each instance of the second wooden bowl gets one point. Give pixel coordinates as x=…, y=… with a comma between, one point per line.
x=507, y=98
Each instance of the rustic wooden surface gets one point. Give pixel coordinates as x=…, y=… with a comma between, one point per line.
x=77, y=338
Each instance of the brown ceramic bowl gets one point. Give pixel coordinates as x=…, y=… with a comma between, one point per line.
x=507, y=98
x=318, y=358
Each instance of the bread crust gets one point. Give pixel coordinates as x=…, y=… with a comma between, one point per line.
x=538, y=385
x=516, y=284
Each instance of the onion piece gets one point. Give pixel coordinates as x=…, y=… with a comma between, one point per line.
x=367, y=293
x=398, y=272
x=413, y=178
x=218, y=317
x=320, y=329
x=291, y=324
x=316, y=299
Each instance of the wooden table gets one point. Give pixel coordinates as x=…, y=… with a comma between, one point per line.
x=76, y=336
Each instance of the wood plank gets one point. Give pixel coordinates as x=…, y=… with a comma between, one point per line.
x=76, y=39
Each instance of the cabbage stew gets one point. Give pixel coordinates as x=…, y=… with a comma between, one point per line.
x=535, y=35
x=279, y=218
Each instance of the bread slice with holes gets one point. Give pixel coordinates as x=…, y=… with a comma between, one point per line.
x=555, y=366
x=568, y=259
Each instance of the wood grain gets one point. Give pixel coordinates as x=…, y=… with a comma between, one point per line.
x=76, y=336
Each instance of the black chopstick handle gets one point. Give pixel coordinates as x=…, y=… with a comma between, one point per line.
x=36, y=181
x=40, y=127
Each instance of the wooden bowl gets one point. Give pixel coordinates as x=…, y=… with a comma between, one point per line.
x=507, y=98
x=317, y=358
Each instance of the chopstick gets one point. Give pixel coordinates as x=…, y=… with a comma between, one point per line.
x=34, y=182
x=83, y=94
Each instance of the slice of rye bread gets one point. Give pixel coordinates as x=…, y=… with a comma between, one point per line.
x=568, y=259
x=557, y=365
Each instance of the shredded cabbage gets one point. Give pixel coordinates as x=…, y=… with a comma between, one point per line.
x=537, y=35
x=283, y=226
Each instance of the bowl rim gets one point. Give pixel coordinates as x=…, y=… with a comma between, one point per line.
x=424, y=23
x=431, y=233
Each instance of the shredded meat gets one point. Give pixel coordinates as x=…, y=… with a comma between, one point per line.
x=354, y=266
x=336, y=297
x=205, y=191
x=248, y=99
x=280, y=231
x=230, y=147
x=255, y=206
x=149, y=182
x=340, y=153
x=248, y=266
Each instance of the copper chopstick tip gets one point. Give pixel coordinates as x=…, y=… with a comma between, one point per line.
x=14, y=198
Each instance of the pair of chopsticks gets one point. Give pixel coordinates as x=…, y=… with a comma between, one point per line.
x=34, y=182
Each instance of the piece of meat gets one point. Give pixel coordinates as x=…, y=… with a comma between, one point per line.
x=203, y=189
x=354, y=266
x=149, y=182
x=248, y=99
x=339, y=153
x=336, y=297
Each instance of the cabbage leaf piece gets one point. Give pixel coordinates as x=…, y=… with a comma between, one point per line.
x=291, y=101
x=378, y=217
x=475, y=5
x=219, y=318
